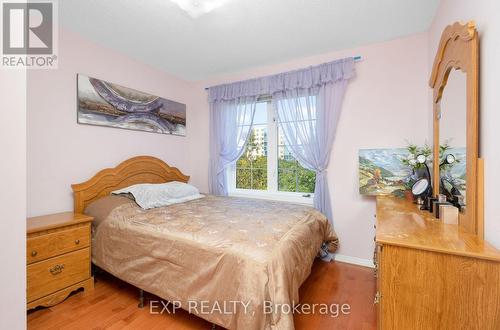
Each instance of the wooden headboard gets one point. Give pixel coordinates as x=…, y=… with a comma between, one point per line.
x=141, y=169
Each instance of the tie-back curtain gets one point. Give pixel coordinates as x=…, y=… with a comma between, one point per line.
x=308, y=119
x=230, y=125
x=308, y=104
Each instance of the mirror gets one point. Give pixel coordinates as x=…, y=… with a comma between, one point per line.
x=453, y=139
x=455, y=105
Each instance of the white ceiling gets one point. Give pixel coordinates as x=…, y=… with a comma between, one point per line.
x=242, y=33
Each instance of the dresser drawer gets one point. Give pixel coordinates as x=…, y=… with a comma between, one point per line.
x=57, y=273
x=58, y=242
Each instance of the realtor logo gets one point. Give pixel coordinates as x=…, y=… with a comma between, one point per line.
x=29, y=34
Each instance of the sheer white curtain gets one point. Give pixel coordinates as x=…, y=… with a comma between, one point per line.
x=308, y=118
x=308, y=102
x=230, y=124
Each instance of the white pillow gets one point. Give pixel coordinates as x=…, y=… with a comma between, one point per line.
x=151, y=195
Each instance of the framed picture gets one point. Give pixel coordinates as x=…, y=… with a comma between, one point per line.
x=381, y=171
x=107, y=104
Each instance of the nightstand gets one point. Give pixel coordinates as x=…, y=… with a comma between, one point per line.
x=58, y=257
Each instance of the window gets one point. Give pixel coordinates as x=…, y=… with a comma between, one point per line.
x=291, y=175
x=251, y=168
x=267, y=165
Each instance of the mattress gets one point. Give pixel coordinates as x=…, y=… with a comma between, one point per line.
x=239, y=259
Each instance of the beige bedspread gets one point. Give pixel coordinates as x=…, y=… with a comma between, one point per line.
x=214, y=251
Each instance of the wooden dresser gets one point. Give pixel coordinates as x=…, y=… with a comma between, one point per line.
x=58, y=257
x=432, y=275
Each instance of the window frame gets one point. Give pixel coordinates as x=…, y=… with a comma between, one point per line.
x=272, y=192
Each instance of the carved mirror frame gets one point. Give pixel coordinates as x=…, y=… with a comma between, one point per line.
x=459, y=50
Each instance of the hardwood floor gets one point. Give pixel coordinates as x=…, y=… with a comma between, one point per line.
x=113, y=304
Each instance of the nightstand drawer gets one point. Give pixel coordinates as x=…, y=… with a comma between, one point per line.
x=50, y=275
x=56, y=243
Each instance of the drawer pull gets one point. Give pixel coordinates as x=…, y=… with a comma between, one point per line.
x=77, y=241
x=377, y=298
x=57, y=269
x=34, y=253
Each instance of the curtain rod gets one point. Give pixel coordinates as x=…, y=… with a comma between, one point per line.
x=356, y=59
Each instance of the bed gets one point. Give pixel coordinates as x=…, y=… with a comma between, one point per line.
x=231, y=261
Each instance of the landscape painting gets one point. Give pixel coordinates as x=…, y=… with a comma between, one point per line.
x=381, y=171
x=107, y=104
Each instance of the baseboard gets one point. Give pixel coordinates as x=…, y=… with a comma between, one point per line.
x=354, y=260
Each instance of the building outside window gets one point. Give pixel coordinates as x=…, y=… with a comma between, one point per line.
x=267, y=165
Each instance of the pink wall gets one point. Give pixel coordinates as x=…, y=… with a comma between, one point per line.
x=486, y=15
x=62, y=152
x=386, y=104
x=13, y=197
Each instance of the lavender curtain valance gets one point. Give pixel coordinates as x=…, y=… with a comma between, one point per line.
x=312, y=76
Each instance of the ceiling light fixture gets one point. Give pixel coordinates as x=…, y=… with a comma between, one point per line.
x=196, y=8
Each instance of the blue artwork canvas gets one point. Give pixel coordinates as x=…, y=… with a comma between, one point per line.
x=107, y=104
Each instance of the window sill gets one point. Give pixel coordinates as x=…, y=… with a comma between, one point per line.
x=274, y=196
